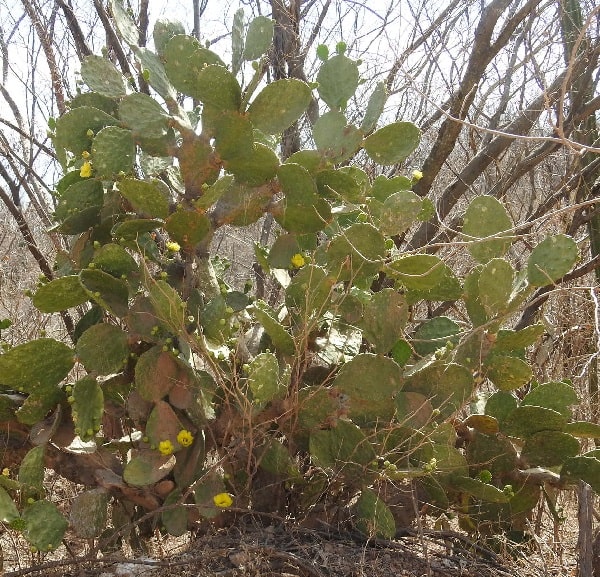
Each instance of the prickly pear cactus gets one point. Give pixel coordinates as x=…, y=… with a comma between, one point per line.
x=195, y=394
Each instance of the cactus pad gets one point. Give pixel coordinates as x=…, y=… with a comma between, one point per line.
x=263, y=379
x=551, y=259
x=44, y=525
x=495, y=285
x=399, y=212
x=336, y=140
x=258, y=37
x=375, y=107
x=60, y=294
x=113, y=152
x=110, y=293
x=518, y=340
x=433, y=334
x=279, y=105
x=116, y=261
x=384, y=319
x=309, y=291
x=370, y=382
x=582, y=468
x=256, y=167
x=556, y=395
x=103, y=349
x=147, y=467
x=155, y=374
x=549, y=448
x=392, y=143
x=413, y=409
x=89, y=513
x=493, y=453
x=527, y=420
x=374, y=518
x=163, y=425
x=338, y=80
x=101, y=75
x=507, y=372
x=188, y=228
x=144, y=116
x=163, y=31
x=8, y=509
x=267, y=317
x=87, y=407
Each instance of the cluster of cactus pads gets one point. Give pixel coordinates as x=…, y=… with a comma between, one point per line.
x=181, y=394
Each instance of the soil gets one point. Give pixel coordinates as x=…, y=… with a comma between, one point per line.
x=252, y=549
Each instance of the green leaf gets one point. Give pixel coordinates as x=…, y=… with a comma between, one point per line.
x=258, y=37
x=102, y=76
x=60, y=294
x=103, y=349
x=392, y=143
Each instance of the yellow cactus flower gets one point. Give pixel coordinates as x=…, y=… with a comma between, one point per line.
x=298, y=260
x=85, y=155
x=6, y=472
x=165, y=447
x=172, y=246
x=185, y=438
x=417, y=175
x=223, y=500
x=86, y=169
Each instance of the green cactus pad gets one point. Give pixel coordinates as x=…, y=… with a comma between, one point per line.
x=263, y=379
x=163, y=31
x=493, y=453
x=500, y=405
x=212, y=194
x=582, y=468
x=336, y=140
x=45, y=527
x=527, y=420
x=147, y=467
x=237, y=40
x=155, y=374
x=167, y=305
x=37, y=364
x=8, y=509
x=163, y=425
x=433, y=334
x=370, y=382
x=483, y=423
x=419, y=272
x=356, y=253
x=188, y=228
x=392, y=143
x=141, y=321
x=256, y=168
x=384, y=319
x=401, y=352
x=267, y=317
x=446, y=385
x=413, y=409
x=175, y=520
x=102, y=76
x=80, y=221
x=184, y=59
x=103, y=349
x=60, y=294
x=309, y=159
x=279, y=105
x=214, y=320
x=125, y=24
x=110, y=293
x=134, y=228
x=242, y=206
x=507, y=372
x=551, y=259
x=144, y=116
x=449, y=462
x=478, y=489
x=275, y=459
x=518, y=340
x=583, y=429
x=556, y=395
x=37, y=405
x=72, y=128
x=157, y=77
x=384, y=187
x=204, y=493
x=217, y=87
x=95, y=100
x=116, y=261
x=338, y=80
x=344, y=449
x=87, y=407
x=374, y=518
x=338, y=185
x=282, y=251
x=399, y=212
x=302, y=211
x=89, y=513
x=309, y=291
x=475, y=308
x=258, y=37
x=113, y=152
x=549, y=448
x=234, y=138
x=495, y=285
x=375, y=107
x=81, y=195
x=486, y=216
